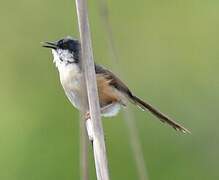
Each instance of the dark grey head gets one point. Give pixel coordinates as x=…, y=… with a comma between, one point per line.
x=66, y=50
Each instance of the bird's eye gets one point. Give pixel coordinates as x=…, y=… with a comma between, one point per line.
x=64, y=46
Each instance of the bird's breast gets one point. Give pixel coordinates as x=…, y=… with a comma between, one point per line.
x=71, y=80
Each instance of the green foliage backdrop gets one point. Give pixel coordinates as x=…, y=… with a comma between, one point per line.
x=168, y=53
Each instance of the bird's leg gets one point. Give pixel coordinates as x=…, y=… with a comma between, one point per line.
x=89, y=124
x=87, y=116
x=89, y=127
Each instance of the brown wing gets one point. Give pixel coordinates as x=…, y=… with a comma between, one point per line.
x=113, y=80
x=106, y=93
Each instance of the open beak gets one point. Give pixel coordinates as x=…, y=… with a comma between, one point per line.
x=52, y=45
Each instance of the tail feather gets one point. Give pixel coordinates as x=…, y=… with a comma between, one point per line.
x=162, y=117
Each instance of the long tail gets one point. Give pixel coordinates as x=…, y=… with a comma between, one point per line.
x=162, y=117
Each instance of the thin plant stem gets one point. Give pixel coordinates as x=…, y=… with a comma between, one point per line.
x=84, y=165
x=136, y=145
x=96, y=128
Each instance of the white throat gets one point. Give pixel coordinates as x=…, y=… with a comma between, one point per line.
x=63, y=66
x=56, y=59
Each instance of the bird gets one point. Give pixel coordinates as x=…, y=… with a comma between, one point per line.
x=113, y=93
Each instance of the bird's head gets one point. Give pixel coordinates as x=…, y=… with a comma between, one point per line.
x=65, y=51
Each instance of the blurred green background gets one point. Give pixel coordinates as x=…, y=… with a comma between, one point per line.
x=168, y=54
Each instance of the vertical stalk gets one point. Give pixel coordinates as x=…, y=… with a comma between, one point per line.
x=84, y=170
x=95, y=127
